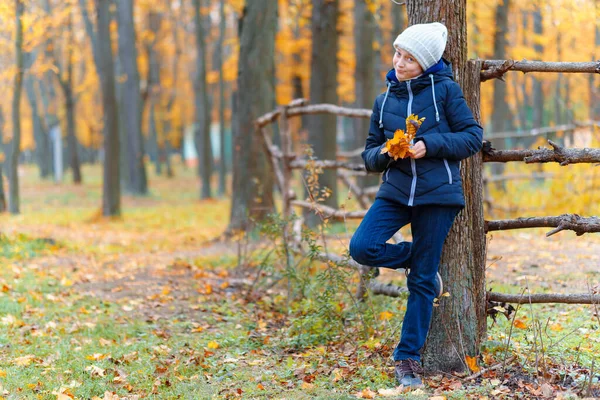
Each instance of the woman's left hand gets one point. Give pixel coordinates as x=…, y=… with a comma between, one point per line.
x=418, y=150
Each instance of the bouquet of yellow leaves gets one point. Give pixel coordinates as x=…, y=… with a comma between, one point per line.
x=399, y=145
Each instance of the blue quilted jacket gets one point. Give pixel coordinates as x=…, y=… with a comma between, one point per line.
x=449, y=131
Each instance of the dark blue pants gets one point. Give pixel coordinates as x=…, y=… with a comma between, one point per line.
x=430, y=226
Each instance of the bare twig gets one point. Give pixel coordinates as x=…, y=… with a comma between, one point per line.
x=492, y=368
x=584, y=298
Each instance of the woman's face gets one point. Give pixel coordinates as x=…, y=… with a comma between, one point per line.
x=405, y=65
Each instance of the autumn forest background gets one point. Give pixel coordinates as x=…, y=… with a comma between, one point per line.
x=144, y=239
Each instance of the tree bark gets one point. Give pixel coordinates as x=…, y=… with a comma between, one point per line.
x=137, y=178
x=322, y=129
x=111, y=194
x=459, y=323
x=202, y=108
x=15, y=148
x=252, y=198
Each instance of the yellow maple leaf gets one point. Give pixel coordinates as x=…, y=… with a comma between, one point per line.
x=520, y=324
x=400, y=145
x=385, y=315
x=472, y=363
x=212, y=345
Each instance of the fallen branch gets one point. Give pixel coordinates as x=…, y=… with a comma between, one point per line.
x=584, y=298
x=327, y=164
x=559, y=154
x=492, y=368
x=573, y=222
x=329, y=212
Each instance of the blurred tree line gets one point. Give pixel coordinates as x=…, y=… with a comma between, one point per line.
x=134, y=83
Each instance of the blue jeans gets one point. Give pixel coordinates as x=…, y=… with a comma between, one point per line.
x=430, y=226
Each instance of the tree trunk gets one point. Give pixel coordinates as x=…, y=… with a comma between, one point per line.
x=70, y=108
x=15, y=148
x=364, y=33
x=252, y=197
x=40, y=135
x=2, y=159
x=137, y=182
x=111, y=195
x=322, y=129
x=202, y=122
x=459, y=323
x=153, y=89
x=500, y=113
x=223, y=161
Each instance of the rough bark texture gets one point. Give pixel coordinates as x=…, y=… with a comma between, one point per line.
x=459, y=323
x=132, y=101
x=15, y=150
x=111, y=189
x=252, y=179
x=202, y=122
x=500, y=111
x=323, y=89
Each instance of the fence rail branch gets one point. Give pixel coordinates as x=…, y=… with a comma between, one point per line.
x=329, y=212
x=559, y=154
x=583, y=298
x=496, y=68
x=327, y=164
x=573, y=222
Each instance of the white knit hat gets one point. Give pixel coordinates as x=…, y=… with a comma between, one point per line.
x=426, y=42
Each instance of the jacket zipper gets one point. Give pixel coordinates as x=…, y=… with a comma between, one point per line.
x=448, y=170
x=413, y=164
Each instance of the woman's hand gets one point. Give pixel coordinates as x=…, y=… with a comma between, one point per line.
x=418, y=150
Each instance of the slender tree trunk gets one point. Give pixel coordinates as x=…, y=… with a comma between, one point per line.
x=137, y=182
x=202, y=123
x=2, y=159
x=40, y=135
x=70, y=109
x=15, y=148
x=111, y=199
x=459, y=323
x=364, y=33
x=500, y=113
x=223, y=154
x=594, y=110
x=252, y=198
x=322, y=128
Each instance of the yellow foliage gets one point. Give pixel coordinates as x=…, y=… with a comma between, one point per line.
x=399, y=145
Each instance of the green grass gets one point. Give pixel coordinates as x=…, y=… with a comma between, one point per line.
x=176, y=339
